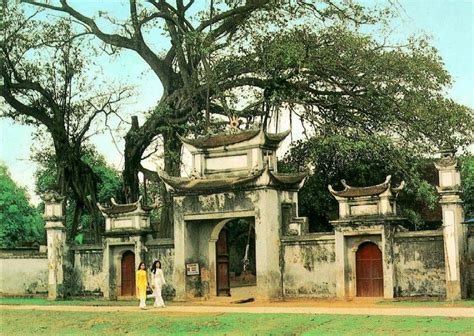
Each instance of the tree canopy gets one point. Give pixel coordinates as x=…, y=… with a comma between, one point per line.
x=78, y=218
x=48, y=81
x=20, y=223
x=262, y=59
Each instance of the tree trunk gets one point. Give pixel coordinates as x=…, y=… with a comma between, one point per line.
x=135, y=145
x=77, y=215
x=133, y=155
x=77, y=177
x=172, y=166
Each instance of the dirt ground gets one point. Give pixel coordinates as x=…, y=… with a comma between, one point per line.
x=356, y=307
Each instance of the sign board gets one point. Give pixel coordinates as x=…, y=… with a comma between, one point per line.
x=192, y=269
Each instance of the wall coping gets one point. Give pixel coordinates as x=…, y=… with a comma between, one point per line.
x=168, y=242
x=22, y=253
x=424, y=233
x=325, y=237
x=86, y=247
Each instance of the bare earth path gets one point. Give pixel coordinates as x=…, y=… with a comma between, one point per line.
x=258, y=309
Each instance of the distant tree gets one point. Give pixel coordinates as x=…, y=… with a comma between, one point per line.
x=109, y=184
x=362, y=161
x=19, y=221
x=467, y=180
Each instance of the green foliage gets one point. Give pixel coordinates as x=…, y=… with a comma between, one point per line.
x=46, y=175
x=362, y=161
x=338, y=77
x=72, y=284
x=467, y=182
x=19, y=222
x=108, y=186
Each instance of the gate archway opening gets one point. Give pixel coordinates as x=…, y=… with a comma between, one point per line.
x=233, y=245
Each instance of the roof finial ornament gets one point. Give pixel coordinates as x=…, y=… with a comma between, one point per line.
x=234, y=123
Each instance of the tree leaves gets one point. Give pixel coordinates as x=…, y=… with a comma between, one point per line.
x=20, y=223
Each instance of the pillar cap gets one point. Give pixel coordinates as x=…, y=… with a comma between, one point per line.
x=52, y=196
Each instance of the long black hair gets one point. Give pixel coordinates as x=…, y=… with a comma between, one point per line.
x=153, y=268
x=140, y=264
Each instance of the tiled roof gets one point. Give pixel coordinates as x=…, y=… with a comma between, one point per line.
x=208, y=184
x=289, y=179
x=115, y=208
x=217, y=184
x=219, y=140
x=365, y=191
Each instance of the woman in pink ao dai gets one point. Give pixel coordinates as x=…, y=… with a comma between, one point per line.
x=157, y=281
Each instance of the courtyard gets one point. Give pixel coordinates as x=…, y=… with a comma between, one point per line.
x=26, y=316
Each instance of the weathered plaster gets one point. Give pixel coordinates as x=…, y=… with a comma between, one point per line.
x=88, y=260
x=419, y=264
x=309, y=268
x=23, y=272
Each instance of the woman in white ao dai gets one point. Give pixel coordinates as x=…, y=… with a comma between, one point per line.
x=157, y=281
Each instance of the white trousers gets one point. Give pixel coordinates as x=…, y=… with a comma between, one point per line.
x=158, y=299
x=142, y=303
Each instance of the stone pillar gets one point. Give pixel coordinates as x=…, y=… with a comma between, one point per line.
x=56, y=240
x=180, y=236
x=454, y=232
x=388, y=234
x=340, y=264
x=267, y=232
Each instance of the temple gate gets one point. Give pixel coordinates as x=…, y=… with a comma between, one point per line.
x=234, y=176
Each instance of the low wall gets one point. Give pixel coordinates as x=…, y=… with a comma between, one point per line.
x=23, y=271
x=419, y=264
x=309, y=266
x=88, y=261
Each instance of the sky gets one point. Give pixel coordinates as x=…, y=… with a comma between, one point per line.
x=450, y=23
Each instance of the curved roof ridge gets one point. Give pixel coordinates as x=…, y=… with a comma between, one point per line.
x=208, y=183
x=226, y=139
x=220, y=139
x=374, y=190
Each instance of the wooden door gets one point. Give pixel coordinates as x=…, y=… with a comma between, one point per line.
x=128, y=274
x=369, y=270
x=222, y=257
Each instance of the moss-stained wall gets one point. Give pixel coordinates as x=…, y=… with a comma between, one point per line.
x=470, y=261
x=419, y=264
x=88, y=261
x=222, y=202
x=308, y=266
x=163, y=250
x=23, y=272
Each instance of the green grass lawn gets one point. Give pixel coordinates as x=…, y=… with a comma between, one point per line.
x=23, y=322
x=75, y=302
x=418, y=303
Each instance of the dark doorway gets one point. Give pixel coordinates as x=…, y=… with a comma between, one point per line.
x=236, y=259
x=369, y=270
x=242, y=258
x=222, y=257
x=128, y=274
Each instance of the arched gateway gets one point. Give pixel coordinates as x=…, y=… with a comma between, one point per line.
x=234, y=176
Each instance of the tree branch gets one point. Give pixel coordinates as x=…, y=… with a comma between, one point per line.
x=157, y=65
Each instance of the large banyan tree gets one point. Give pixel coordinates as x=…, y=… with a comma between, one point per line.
x=47, y=83
x=258, y=59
